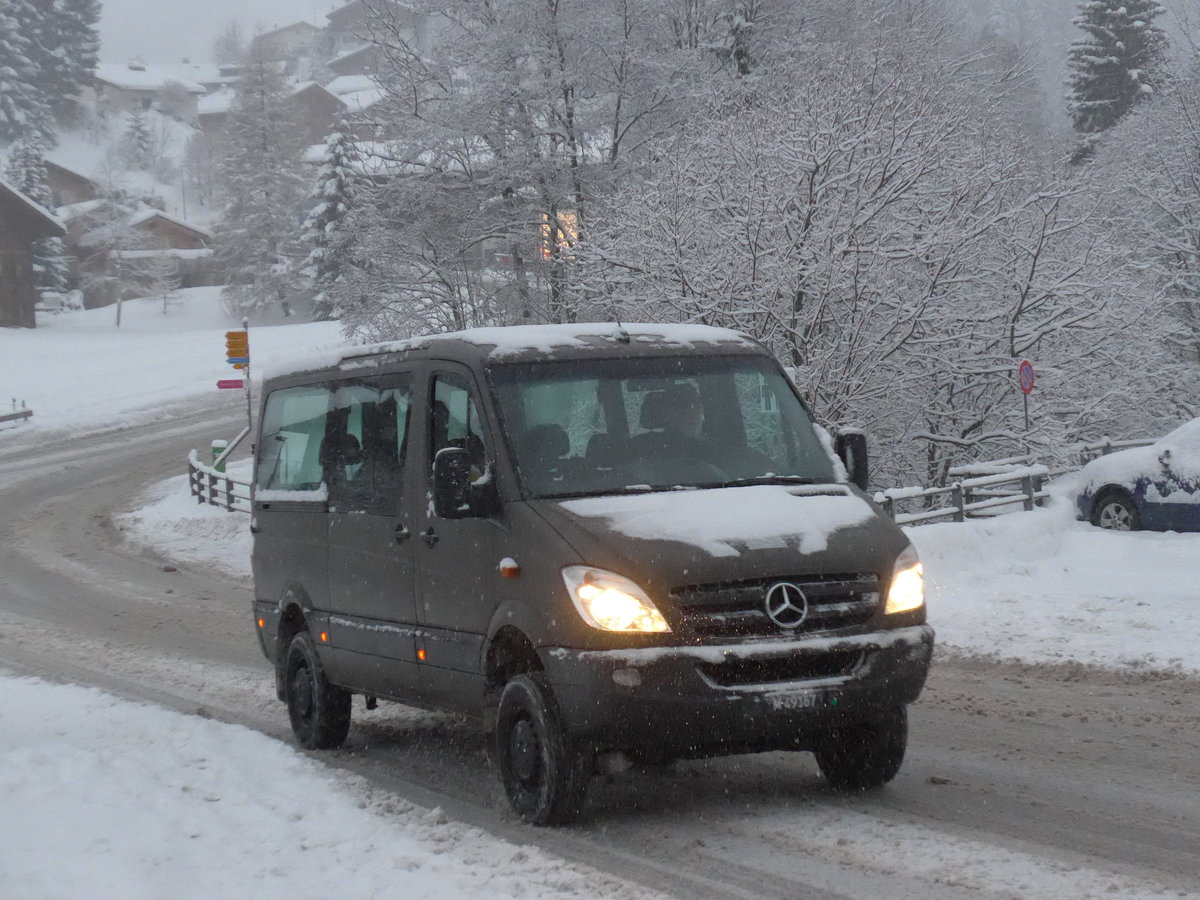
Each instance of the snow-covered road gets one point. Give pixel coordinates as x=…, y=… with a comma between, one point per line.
x=1033, y=771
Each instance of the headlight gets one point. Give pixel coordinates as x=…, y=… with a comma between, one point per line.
x=611, y=602
x=907, y=590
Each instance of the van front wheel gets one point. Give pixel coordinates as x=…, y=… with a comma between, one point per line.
x=867, y=754
x=545, y=775
x=320, y=711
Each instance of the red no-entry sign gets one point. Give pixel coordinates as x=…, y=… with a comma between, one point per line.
x=1025, y=376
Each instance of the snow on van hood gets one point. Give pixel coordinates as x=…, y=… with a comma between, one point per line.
x=730, y=521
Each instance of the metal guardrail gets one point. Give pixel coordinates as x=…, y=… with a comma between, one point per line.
x=215, y=488
x=984, y=495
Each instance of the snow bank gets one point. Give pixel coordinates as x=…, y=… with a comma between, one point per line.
x=79, y=372
x=120, y=800
x=1039, y=586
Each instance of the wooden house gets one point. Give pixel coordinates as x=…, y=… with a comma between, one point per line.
x=22, y=223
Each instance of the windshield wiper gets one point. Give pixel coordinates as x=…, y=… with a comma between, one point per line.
x=769, y=479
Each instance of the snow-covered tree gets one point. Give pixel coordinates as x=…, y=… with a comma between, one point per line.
x=867, y=222
x=230, y=45
x=23, y=109
x=137, y=145
x=331, y=245
x=26, y=171
x=519, y=116
x=1149, y=171
x=1116, y=62
x=71, y=45
x=263, y=189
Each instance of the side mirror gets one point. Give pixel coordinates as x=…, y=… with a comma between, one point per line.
x=851, y=448
x=452, y=483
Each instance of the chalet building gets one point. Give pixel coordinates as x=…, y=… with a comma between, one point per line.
x=314, y=108
x=68, y=186
x=123, y=89
x=288, y=42
x=111, y=260
x=22, y=223
x=350, y=25
x=357, y=60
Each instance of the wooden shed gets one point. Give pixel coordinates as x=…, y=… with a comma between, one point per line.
x=22, y=223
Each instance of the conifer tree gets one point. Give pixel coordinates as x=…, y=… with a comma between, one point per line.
x=330, y=248
x=263, y=190
x=71, y=44
x=23, y=112
x=138, y=146
x=26, y=172
x=1115, y=63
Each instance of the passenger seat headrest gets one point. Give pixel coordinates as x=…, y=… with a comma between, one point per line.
x=654, y=410
x=547, y=442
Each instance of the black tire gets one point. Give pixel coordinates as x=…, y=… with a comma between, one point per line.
x=1115, y=511
x=320, y=711
x=544, y=773
x=866, y=755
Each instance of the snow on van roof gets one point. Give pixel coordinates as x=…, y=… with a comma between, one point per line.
x=533, y=340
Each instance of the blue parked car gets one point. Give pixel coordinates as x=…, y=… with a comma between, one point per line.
x=1155, y=487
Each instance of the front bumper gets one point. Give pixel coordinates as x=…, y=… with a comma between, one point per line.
x=706, y=700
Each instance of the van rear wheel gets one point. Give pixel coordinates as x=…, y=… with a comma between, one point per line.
x=320, y=711
x=865, y=755
x=544, y=773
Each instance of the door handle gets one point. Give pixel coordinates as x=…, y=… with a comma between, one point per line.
x=430, y=536
x=402, y=534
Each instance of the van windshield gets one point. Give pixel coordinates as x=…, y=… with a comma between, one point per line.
x=587, y=427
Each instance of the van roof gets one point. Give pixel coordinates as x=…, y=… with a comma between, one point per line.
x=530, y=343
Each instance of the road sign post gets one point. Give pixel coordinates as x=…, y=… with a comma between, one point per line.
x=1027, y=380
x=237, y=354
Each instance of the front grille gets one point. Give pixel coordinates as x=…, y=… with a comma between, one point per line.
x=737, y=609
x=794, y=667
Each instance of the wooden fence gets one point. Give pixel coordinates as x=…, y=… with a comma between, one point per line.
x=215, y=488
x=17, y=415
x=984, y=495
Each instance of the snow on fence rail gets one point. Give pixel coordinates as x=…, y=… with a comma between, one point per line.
x=982, y=495
x=989, y=486
x=215, y=488
x=17, y=414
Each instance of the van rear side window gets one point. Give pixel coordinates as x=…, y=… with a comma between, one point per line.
x=289, y=455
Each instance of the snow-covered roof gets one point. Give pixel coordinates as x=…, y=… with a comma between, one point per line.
x=149, y=78
x=538, y=341
x=56, y=228
x=350, y=84
x=304, y=86
x=295, y=26
x=347, y=8
x=349, y=54
x=215, y=103
x=145, y=215
x=73, y=211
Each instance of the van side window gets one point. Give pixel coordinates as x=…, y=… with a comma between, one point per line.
x=293, y=430
x=366, y=445
x=454, y=421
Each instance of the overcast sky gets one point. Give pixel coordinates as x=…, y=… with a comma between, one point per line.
x=169, y=30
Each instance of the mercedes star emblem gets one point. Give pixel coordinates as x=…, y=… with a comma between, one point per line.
x=786, y=605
